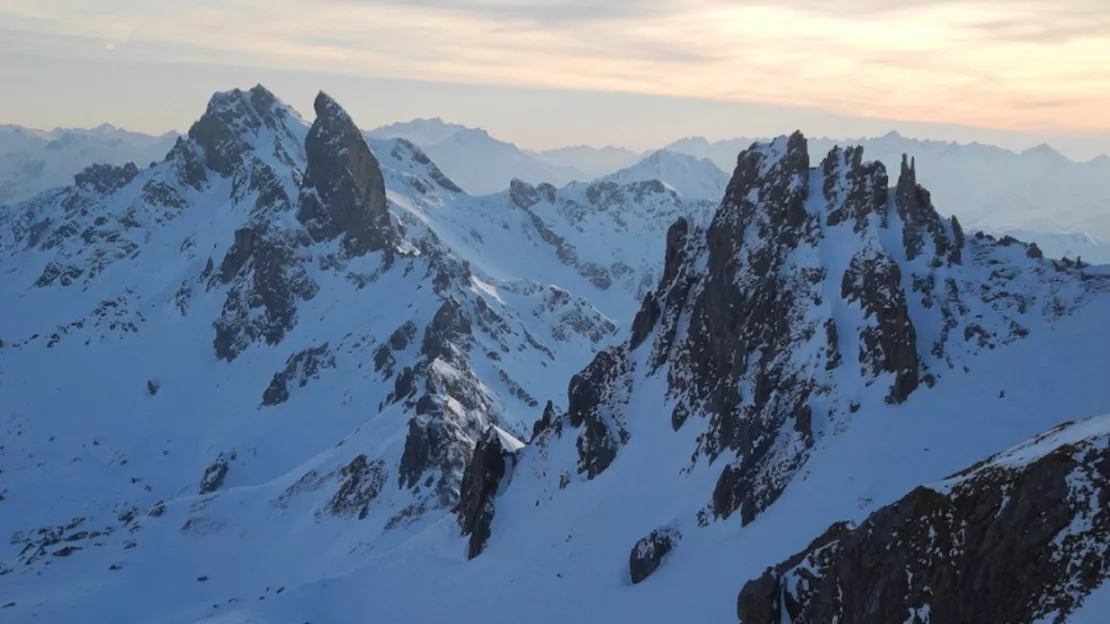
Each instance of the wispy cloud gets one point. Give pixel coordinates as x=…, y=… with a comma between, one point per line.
x=981, y=62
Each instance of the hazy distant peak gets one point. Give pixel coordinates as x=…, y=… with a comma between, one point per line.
x=1044, y=151
x=690, y=176
x=424, y=131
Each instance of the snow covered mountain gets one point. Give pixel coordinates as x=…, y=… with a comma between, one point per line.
x=1083, y=247
x=32, y=161
x=592, y=161
x=479, y=163
x=688, y=176
x=289, y=374
x=1037, y=191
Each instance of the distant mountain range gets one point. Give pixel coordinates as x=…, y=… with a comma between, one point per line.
x=476, y=161
x=1037, y=194
x=32, y=161
x=1037, y=190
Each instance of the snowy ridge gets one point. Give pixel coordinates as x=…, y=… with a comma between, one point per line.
x=688, y=176
x=478, y=162
x=342, y=332
x=303, y=394
x=812, y=293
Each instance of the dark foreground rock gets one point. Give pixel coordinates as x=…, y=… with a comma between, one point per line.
x=480, y=484
x=648, y=553
x=215, y=473
x=1019, y=538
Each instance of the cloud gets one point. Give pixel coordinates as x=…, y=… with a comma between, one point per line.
x=984, y=62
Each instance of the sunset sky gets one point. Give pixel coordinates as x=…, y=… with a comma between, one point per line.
x=955, y=69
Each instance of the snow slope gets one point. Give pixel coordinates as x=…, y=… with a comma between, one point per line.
x=32, y=161
x=479, y=163
x=249, y=384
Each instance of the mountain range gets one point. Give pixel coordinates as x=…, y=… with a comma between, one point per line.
x=1036, y=192
x=32, y=161
x=1035, y=195
x=293, y=371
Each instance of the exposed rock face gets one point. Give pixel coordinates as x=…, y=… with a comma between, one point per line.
x=266, y=282
x=436, y=452
x=888, y=343
x=1017, y=538
x=349, y=188
x=757, y=319
x=648, y=553
x=214, y=474
x=593, y=405
x=853, y=189
x=920, y=221
x=363, y=480
x=451, y=324
x=302, y=366
x=231, y=118
x=645, y=320
x=106, y=178
x=479, y=488
x=551, y=415
x=744, y=314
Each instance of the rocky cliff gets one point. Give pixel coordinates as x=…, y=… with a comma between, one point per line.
x=815, y=291
x=1021, y=537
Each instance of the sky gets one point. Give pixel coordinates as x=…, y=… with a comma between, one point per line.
x=547, y=73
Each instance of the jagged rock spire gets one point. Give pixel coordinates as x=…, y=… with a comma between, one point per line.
x=349, y=187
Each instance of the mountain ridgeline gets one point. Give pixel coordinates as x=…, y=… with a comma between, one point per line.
x=297, y=334
x=813, y=292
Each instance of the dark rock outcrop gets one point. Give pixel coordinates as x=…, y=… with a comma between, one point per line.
x=853, y=189
x=301, y=366
x=480, y=485
x=106, y=179
x=1016, y=538
x=264, y=272
x=645, y=321
x=889, y=342
x=450, y=325
x=215, y=473
x=593, y=406
x=920, y=221
x=648, y=553
x=548, y=420
x=436, y=453
x=348, y=189
x=363, y=481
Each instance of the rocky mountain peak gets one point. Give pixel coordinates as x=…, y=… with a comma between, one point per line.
x=810, y=294
x=231, y=123
x=348, y=189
